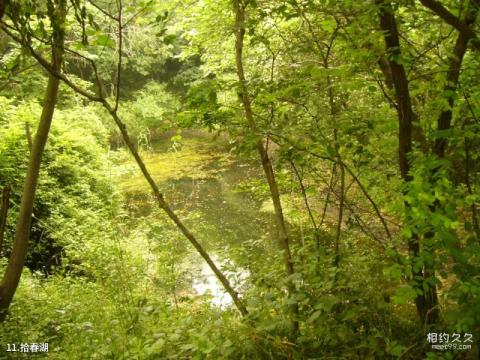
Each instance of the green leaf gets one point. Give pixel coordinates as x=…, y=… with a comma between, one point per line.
x=156, y=347
x=104, y=40
x=316, y=73
x=397, y=350
x=314, y=316
x=404, y=294
x=169, y=39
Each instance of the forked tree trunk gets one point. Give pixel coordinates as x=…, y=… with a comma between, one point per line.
x=427, y=303
x=426, y=300
x=16, y=261
x=282, y=236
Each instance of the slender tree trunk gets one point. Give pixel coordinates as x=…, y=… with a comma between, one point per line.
x=282, y=235
x=307, y=204
x=331, y=185
x=341, y=203
x=333, y=112
x=444, y=123
x=171, y=214
x=4, y=213
x=341, y=198
x=15, y=264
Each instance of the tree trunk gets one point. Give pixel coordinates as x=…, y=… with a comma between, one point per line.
x=16, y=261
x=426, y=300
x=444, y=123
x=453, y=74
x=341, y=203
x=282, y=234
x=307, y=204
x=464, y=27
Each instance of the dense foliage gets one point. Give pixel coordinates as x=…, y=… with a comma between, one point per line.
x=320, y=156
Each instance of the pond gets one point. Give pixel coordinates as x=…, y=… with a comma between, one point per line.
x=198, y=175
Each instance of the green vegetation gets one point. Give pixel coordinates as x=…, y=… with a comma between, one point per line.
x=241, y=179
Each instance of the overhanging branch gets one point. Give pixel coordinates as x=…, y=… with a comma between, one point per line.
x=449, y=18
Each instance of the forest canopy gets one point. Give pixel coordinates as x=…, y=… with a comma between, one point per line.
x=240, y=179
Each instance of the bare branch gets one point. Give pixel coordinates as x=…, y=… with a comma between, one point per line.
x=350, y=171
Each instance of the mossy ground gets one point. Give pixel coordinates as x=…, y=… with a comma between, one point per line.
x=192, y=157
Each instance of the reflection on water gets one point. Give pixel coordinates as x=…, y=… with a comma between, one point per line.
x=206, y=283
x=226, y=217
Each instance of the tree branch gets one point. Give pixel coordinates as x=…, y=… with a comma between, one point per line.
x=449, y=18
x=47, y=66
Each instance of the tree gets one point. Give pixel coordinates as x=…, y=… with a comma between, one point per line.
x=239, y=10
x=11, y=278
x=101, y=98
x=424, y=277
